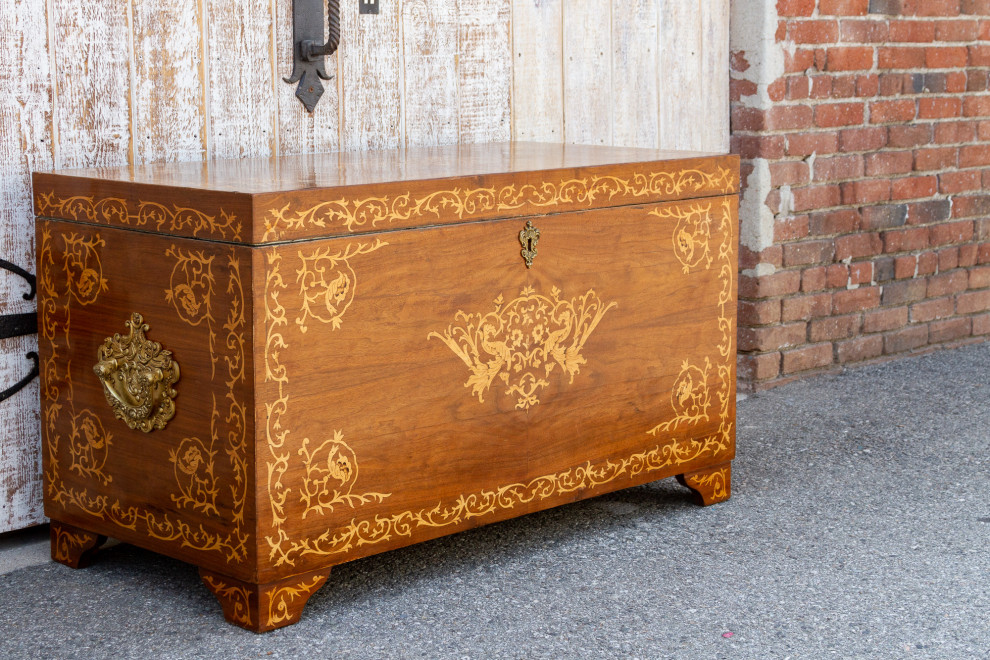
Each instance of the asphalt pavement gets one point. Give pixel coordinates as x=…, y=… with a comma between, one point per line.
x=859, y=527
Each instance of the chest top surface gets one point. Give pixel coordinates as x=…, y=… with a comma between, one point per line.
x=265, y=200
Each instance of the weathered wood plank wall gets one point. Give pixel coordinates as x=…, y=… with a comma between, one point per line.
x=101, y=82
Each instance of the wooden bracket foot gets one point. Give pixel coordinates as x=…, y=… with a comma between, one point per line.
x=711, y=485
x=72, y=546
x=263, y=607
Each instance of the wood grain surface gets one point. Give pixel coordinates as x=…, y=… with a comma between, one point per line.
x=102, y=83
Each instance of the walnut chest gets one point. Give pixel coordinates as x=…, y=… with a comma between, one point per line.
x=269, y=367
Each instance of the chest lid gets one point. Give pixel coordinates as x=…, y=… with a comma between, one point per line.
x=267, y=200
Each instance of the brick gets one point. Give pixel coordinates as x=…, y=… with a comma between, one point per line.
x=743, y=118
x=757, y=146
x=983, y=257
x=935, y=158
x=813, y=279
x=808, y=252
x=795, y=7
x=761, y=312
x=961, y=30
x=859, y=349
x=827, y=223
x=799, y=61
x=789, y=173
x=809, y=357
x=979, y=55
x=863, y=31
x=777, y=90
x=974, y=155
x=972, y=302
x=983, y=229
x=798, y=88
x=906, y=266
x=905, y=240
x=974, y=7
x=867, y=85
x=832, y=328
x=813, y=32
x=955, y=132
x=927, y=263
x=902, y=292
x=758, y=367
x=926, y=213
x=913, y=187
x=976, y=106
x=838, y=168
x=911, y=135
x=952, y=232
x=889, y=162
x=945, y=284
x=930, y=310
x=837, y=276
x=843, y=7
x=749, y=259
x=976, y=205
x=956, y=182
x=912, y=31
x=901, y=58
x=803, y=308
x=977, y=80
x=948, y=258
x=772, y=338
x=857, y=246
x=939, y=107
x=788, y=117
x=849, y=58
x=843, y=87
x=890, y=7
x=861, y=273
x=855, y=300
x=967, y=256
x=883, y=269
x=839, y=114
x=816, y=197
x=821, y=87
x=905, y=339
x=770, y=286
x=885, y=216
x=881, y=320
x=949, y=330
x=885, y=112
x=865, y=191
x=863, y=139
x=979, y=277
x=946, y=57
x=981, y=325
x=805, y=144
x=790, y=228
x=938, y=8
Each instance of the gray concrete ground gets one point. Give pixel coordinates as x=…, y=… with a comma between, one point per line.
x=858, y=528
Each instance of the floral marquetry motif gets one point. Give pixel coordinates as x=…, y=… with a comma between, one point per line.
x=523, y=341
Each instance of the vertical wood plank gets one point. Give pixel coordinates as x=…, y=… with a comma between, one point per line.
x=25, y=145
x=371, y=76
x=715, y=74
x=241, y=94
x=537, y=86
x=634, y=95
x=169, y=114
x=430, y=96
x=681, y=84
x=92, y=75
x=587, y=71
x=300, y=132
x=485, y=71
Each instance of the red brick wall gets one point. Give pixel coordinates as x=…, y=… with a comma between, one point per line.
x=876, y=134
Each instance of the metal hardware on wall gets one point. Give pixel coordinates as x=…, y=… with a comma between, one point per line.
x=17, y=325
x=309, y=51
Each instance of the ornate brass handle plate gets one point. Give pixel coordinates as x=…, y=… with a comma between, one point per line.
x=137, y=376
x=529, y=237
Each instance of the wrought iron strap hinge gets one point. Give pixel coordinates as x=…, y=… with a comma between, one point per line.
x=17, y=325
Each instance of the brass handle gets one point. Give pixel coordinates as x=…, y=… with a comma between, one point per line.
x=137, y=376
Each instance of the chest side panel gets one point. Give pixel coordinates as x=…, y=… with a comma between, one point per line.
x=421, y=382
x=136, y=311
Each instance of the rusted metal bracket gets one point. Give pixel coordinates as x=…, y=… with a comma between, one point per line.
x=17, y=325
x=309, y=51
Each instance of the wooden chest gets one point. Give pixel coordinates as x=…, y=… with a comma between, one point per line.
x=269, y=367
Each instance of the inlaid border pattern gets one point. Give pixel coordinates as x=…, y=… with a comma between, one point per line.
x=467, y=203
x=85, y=282
x=679, y=450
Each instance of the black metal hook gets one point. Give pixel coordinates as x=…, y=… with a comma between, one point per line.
x=308, y=52
x=16, y=325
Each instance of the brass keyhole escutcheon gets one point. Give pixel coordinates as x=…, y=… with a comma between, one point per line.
x=529, y=237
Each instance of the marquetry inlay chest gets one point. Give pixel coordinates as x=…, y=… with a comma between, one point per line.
x=269, y=367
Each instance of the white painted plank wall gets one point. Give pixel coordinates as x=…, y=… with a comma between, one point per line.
x=103, y=82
